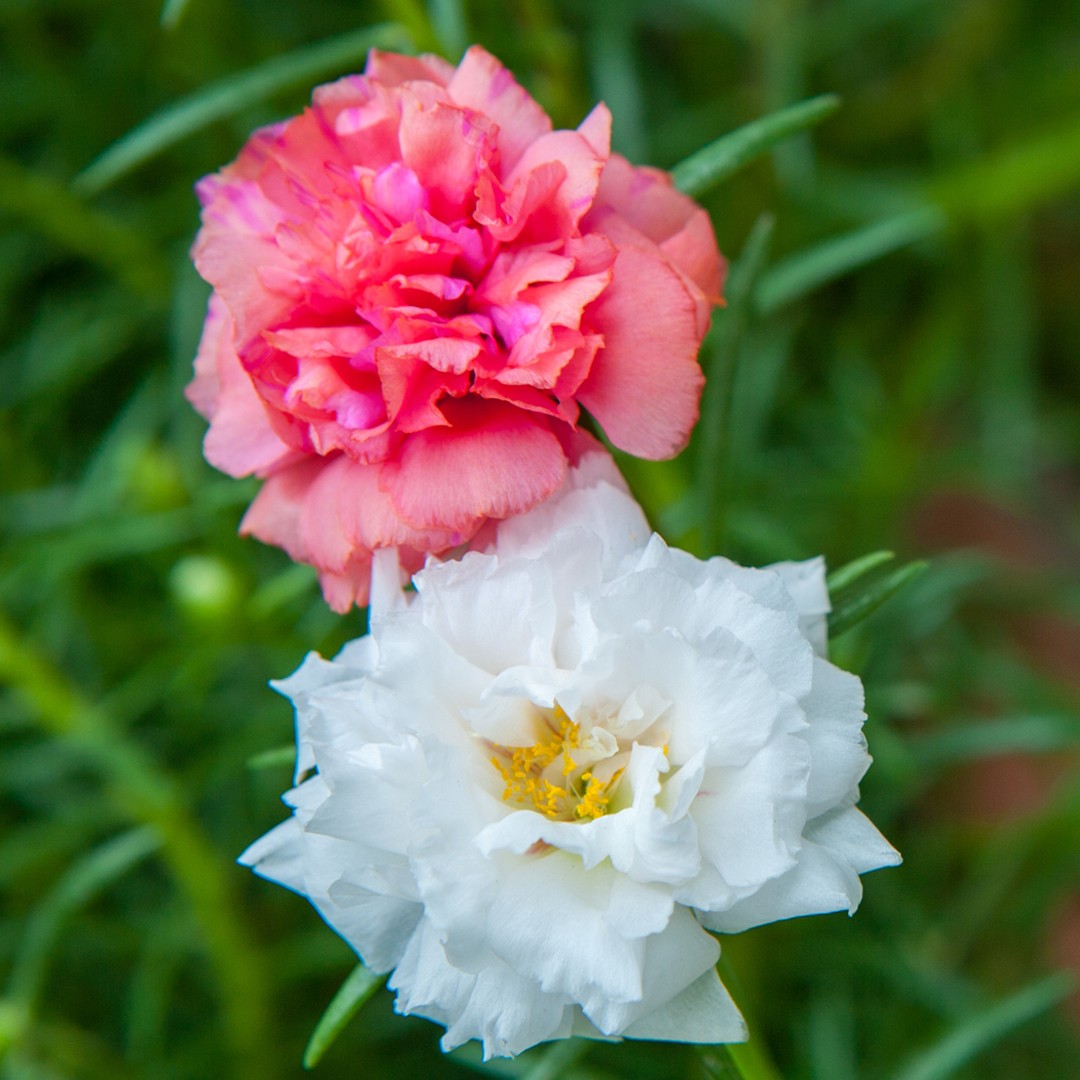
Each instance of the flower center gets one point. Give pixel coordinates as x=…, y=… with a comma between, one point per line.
x=554, y=776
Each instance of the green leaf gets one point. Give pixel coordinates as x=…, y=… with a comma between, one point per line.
x=737, y=1061
x=556, y=1058
x=801, y=273
x=172, y=12
x=1010, y=181
x=272, y=759
x=708, y=166
x=850, y=609
x=976, y=1034
x=1001, y=735
x=229, y=96
x=353, y=993
x=850, y=572
x=727, y=339
x=84, y=880
x=44, y=204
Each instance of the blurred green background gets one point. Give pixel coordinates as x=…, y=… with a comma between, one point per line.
x=896, y=368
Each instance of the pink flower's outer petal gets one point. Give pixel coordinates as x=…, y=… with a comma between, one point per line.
x=333, y=515
x=483, y=84
x=393, y=69
x=646, y=200
x=240, y=440
x=492, y=462
x=645, y=383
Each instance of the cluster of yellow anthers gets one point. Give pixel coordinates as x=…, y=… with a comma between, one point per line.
x=523, y=770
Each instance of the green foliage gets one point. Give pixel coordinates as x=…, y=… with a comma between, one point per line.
x=894, y=370
x=344, y=1005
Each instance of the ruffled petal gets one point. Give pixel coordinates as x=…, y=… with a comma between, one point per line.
x=491, y=463
x=645, y=384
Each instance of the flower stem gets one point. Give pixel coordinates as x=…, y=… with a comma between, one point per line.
x=738, y=1061
x=148, y=795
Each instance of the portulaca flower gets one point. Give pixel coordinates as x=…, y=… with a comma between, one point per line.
x=541, y=781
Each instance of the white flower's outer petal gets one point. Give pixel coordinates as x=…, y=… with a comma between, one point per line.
x=816, y=884
x=805, y=581
x=838, y=752
x=547, y=774
x=674, y=960
x=849, y=834
x=702, y=1013
x=605, y=510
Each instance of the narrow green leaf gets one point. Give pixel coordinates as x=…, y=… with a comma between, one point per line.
x=1010, y=181
x=44, y=204
x=737, y=1061
x=707, y=167
x=172, y=12
x=727, y=339
x=450, y=24
x=228, y=96
x=975, y=1035
x=849, y=573
x=847, y=612
x=554, y=1060
x=353, y=993
x=84, y=880
x=805, y=271
x=272, y=759
x=1002, y=735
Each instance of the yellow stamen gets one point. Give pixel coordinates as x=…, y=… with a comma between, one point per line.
x=522, y=769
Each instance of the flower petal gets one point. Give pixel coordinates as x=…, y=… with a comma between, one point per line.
x=491, y=463
x=645, y=383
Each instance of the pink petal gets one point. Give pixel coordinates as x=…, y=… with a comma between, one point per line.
x=332, y=514
x=445, y=146
x=645, y=383
x=483, y=84
x=560, y=213
x=240, y=440
x=274, y=514
x=393, y=69
x=646, y=199
x=493, y=461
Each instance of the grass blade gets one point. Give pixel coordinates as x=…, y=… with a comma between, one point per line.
x=975, y=1035
x=711, y=164
x=220, y=99
x=987, y=738
x=805, y=271
x=850, y=572
x=731, y=324
x=344, y=1005
x=45, y=205
x=87, y=877
x=848, y=612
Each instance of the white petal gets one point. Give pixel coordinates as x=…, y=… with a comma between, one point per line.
x=702, y=1013
x=673, y=960
x=750, y=820
x=850, y=835
x=806, y=583
x=602, y=509
x=838, y=756
x=819, y=882
x=494, y=614
x=547, y=920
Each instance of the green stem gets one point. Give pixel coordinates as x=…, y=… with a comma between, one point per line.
x=149, y=796
x=752, y=1062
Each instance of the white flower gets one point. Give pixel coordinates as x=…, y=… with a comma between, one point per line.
x=545, y=777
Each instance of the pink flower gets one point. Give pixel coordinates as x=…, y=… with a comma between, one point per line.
x=417, y=286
